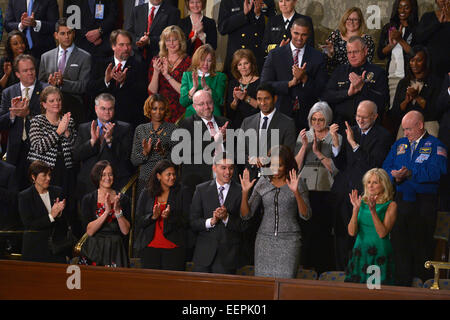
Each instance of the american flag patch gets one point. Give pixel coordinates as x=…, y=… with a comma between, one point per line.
x=441, y=152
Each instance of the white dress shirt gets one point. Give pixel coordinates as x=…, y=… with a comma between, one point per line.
x=300, y=53
x=68, y=53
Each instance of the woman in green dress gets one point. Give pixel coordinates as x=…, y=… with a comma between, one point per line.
x=373, y=217
x=202, y=75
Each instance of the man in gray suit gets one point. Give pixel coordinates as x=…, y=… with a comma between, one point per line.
x=67, y=67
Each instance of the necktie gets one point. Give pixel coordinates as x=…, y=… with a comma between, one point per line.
x=28, y=31
x=221, y=200
x=361, y=140
x=296, y=56
x=150, y=18
x=286, y=24
x=92, y=6
x=413, y=147
x=212, y=131
x=264, y=125
x=119, y=67
x=24, y=131
x=62, y=62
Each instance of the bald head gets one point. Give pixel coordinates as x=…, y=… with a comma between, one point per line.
x=366, y=114
x=203, y=104
x=413, y=125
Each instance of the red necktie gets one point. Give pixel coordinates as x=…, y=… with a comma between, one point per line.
x=150, y=19
x=119, y=67
x=296, y=56
x=211, y=129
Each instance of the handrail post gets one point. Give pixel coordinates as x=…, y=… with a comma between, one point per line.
x=437, y=265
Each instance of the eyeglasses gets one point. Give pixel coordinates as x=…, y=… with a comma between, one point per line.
x=349, y=53
x=353, y=20
x=317, y=120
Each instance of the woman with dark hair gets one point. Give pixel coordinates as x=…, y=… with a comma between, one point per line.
x=152, y=140
x=162, y=219
x=41, y=210
x=241, y=97
x=419, y=91
x=284, y=199
x=197, y=28
x=16, y=44
x=396, y=39
x=105, y=216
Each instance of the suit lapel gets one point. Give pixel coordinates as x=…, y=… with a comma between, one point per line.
x=34, y=101
x=213, y=194
x=69, y=61
x=231, y=195
x=37, y=199
x=159, y=15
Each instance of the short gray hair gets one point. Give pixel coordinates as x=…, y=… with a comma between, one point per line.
x=105, y=97
x=323, y=108
x=358, y=38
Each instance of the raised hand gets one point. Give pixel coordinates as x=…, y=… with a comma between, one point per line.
x=7, y=68
x=109, y=72
x=116, y=203
x=146, y=146
x=166, y=212
x=315, y=145
x=248, y=4
x=95, y=132
x=293, y=180
x=334, y=128
x=143, y=41
x=355, y=200
x=108, y=131
x=165, y=66
x=304, y=138
x=328, y=48
x=159, y=148
x=108, y=204
x=350, y=135
x=156, y=211
x=63, y=125
x=246, y=184
x=257, y=7
x=157, y=65
x=203, y=83
x=284, y=42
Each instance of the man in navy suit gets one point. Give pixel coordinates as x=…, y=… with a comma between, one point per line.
x=20, y=102
x=146, y=24
x=36, y=19
x=215, y=215
x=298, y=73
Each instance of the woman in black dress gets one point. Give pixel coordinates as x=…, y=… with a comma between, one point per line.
x=162, y=220
x=419, y=91
x=105, y=214
x=41, y=210
x=16, y=44
x=241, y=96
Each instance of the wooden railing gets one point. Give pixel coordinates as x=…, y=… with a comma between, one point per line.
x=28, y=280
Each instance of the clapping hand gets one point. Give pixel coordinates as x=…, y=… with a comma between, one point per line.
x=350, y=135
x=159, y=148
x=143, y=41
x=401, y=174
x=257, y=7
x=95, y=132
x=372, y=202
x=120, y=75
x=284, y=42
x=411, y=93
x=356, y=83
x=58, y=208
x=355, y=199
x=157, y=65
x=248, y=4
x=19, y=107
x=7, y=68
x=300, y=73
x=166, y=212
x=63, y=126
x=328, y=48
x=220, y=135
x=28, y=21
x=238, y=93
x=334, y=128
x=156, y=211
x=304, y=138
x=108, y=204
x=146, y=146
x=246, y=184
x=116, y=203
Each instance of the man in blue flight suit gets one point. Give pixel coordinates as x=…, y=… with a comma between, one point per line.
x=358, y=81
x=415, y=164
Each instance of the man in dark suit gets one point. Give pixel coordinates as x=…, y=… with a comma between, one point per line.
x=358, y=81
x=125, y=77
x=244, y=22
x=298, y=73
x=98, y=20
x=36, y=19
x=9, y=219
x=103, y=139
x=263, y=126
x=215, y=215
x=20, y=102
x=128, y=6
x=366, y=147
x=203, y=128
x=148, y=22
x=67, y=67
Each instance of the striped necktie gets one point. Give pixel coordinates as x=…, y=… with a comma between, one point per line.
x=221, y=200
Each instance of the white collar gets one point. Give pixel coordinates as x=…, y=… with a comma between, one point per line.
x=226, y=186
x=201, y=73
x=290, y=18
x=22, y=87
x=302, y=50
x=117, y=61
x=69, y=49
x=269, y=116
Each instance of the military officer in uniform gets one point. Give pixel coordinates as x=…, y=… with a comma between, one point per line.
x=356, y=82
x=415, y=165
x=244, y=22
x=278, y=28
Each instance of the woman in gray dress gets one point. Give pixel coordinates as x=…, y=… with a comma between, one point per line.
x=284, y=199
x=152, y=140
x=314, y=156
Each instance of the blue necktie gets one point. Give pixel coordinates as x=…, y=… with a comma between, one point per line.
x=413, y=147
x=28, y=32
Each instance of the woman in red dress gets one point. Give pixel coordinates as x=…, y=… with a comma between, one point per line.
x=166, y=70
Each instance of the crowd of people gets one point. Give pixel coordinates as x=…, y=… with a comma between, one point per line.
x=339, y=164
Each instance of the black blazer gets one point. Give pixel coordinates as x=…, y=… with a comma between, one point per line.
x=175, y=226
x=9, y=219
x=16, y=128
x=277, y=71
x=275, y=31
x=44, y=10
x=209, y=27
x=35, y=217
x=88, y=23
x=353, y=165
x=167, y=15
x=193, y=174
x=221, y=239
x=118, y=155
x=130, y=96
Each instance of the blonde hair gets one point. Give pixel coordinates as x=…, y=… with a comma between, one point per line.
x=383, y=178
x=172, y=31
x=200, y=54
x=362, y=24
